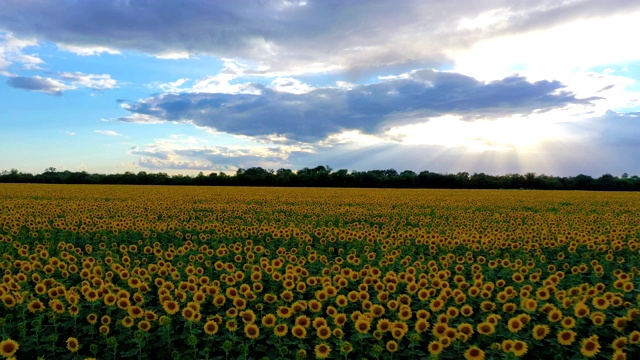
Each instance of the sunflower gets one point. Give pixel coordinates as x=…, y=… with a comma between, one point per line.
x=405, y=313
x=342, y=301
x=530, y=305
x=123, y=303
x=540, y=331
x=435, y=348
x=104, y=329
x=554, y=315
x=170, y=307
x=319, y=321
x=281, y=330
x=566, y=337
x=144, y=325
x=299, y=331
x=189, y=314
x=509, y=307
x=346, y=347
x=35, y=305
x=507, y=345
x=127, y=321
x=72, y=344
x=92, y=318
x=284, y=312
x=398, y=333
x=581, y=310
x=8, y=347
x=231, y=325
x=436, y=305
x=315, y=305
x=377, y=310
x=56, y=306
x=465, y=329
x=634, y=337
x=150, y=315
x=248, y=316
x=519, y=348
x=466, y=310
x=440, y=329
x=363, y=326
x=600, y=303
x=487, y=306
x=211, y=327
x=515, y=324
x=219, y=300
x=269, y=320
x=590, y=346
x=323, y=332
x=486, y=328
x=493, y=319
x=421, y=326
x=392, y=346
x=383, y=325
x=252, y=331
x=135, y=312
x=474, y=353
x=619, y=355
x=322, y=351
x=620, y=323
x=619, y=343
x=598, y=318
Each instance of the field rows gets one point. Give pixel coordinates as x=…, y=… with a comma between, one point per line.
x=220, y=272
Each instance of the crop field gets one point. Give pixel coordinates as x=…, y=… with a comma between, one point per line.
x=112, y=272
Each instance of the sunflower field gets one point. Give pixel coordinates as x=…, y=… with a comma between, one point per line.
x=145, y=272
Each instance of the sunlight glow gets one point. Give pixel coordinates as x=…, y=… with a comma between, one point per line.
x=506, y=134
x=579, y=45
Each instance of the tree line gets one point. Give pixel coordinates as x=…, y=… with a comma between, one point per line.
x=325, y=176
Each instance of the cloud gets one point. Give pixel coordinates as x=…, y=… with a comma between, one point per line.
x=189, y=153
x=596, y=145
x=294, y=36
x=314, y=115
x=12, y=52
x=13, y=57
x=69, y=81
x=92, y=81
x=39, y=84
x=108, y=132
x=87, y=50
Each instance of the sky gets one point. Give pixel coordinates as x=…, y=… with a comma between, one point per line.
x=188, y=86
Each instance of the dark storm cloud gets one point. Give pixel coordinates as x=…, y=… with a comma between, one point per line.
x=356, y=35
x=312, y=116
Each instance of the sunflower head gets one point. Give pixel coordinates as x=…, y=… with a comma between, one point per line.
x=8, y=347
x=72, y=344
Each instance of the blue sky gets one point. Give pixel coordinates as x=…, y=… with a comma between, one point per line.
x=447, y=86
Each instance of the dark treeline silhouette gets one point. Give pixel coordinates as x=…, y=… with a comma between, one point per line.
x=324, y=176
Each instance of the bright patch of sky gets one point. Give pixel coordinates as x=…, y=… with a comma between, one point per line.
x=449, y=86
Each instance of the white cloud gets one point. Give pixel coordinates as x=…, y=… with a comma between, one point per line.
x=11, y=52
x=92, y=81
x=108, y=132
x=83, y=50
x=290, y=85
